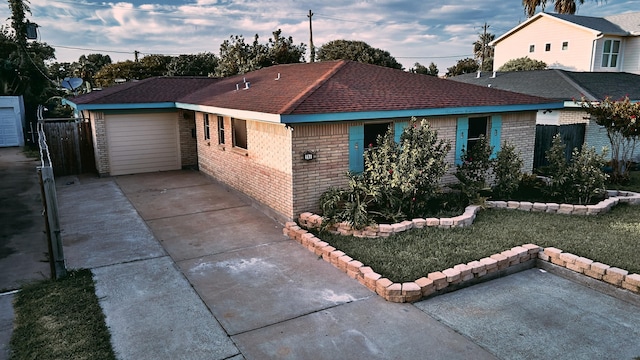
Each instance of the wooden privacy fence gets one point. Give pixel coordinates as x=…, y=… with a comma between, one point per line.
x=70, y=145
x=572, y=136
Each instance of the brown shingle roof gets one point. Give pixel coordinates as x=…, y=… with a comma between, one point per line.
x=312, y=88
x=346, y=86
x=152, y=90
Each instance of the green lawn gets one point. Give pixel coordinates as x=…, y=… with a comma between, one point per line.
x=60, y=320
x=612, y=238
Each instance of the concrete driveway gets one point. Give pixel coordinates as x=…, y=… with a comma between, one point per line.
x=186, y=269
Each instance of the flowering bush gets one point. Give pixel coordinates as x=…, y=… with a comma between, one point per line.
x=622, y=121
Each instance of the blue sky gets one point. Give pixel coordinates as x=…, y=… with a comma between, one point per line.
x=412, y=31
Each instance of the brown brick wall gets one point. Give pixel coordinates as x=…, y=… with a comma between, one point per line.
x=330, y=142
x=519, y=129
x=100, y=148
x=568, y=117
x=188, y=144
x=263, y=171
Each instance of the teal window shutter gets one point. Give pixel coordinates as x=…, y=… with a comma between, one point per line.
x=398, y=128
x=356, y=148
x=496, y=132
x=462, y=134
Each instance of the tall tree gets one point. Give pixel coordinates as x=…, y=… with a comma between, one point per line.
x=483, y=52
x=238, y=57
x=421, y=69
x=560, y=6
x=356, y=51
x=203, y=64
x=24, y=70
x=523, y=64
x=463, y=66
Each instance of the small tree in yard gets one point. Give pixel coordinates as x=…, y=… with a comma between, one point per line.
x=473, y=172
x=579, y=180
x=507, y=170
x=621, y=119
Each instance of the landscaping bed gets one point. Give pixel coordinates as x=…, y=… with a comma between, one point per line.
x=603, y=247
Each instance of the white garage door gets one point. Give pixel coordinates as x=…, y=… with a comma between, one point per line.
x=143, y=143
x=9, y=135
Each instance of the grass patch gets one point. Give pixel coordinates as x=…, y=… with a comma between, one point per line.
x=60, y=319
x=612, y=238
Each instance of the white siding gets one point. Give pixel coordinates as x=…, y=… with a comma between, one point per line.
x=598, y=57
x=577, y=57
x=631, y=60
x=142, y=143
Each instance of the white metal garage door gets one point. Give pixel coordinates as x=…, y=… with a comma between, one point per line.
x=143, y=143
x=9, y=135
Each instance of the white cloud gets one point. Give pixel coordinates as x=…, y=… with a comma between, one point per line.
x=412, y=31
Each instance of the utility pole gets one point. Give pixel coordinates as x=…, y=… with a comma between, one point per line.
x=484, y=45
x=135, y=55
x=312, y=58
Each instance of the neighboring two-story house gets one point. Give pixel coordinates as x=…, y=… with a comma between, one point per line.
x=575, y=43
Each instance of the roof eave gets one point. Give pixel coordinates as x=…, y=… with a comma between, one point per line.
x=132, y=106
x=371, y=115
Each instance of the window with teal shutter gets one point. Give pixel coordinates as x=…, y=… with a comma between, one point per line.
x=356, y=148
x=469, y=131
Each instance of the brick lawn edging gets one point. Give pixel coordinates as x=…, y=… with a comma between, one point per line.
x=474, y=271
x=314, y=221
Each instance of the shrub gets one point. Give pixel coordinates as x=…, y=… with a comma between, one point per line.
x=578, y=180
x=474, y=170
x=556, y=169
x=399, y=180
x=350, y=205
x=508, y=171
x=407, y=174
x=586, y=175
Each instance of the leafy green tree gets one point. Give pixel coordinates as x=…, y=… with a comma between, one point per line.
x=356, y=51
x=148, y=66
x=523, y=64
x=281, y=50
x=421, y=69
x=87, y=66
x=238, y=57
x=507, y=169
x=474, y=170
x=203, y=64
x=463, y=66
x=23, y=63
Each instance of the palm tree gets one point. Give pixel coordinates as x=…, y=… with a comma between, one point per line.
x=483, y=52
x=560, y=6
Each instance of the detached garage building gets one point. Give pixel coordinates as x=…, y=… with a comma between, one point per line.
x=136, y=126
x=11, y=121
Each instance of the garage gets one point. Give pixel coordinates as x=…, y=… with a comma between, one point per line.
x=11, y=111
x=139, y=143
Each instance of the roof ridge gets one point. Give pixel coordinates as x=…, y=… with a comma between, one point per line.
x=577, y=86
x=293, y=104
